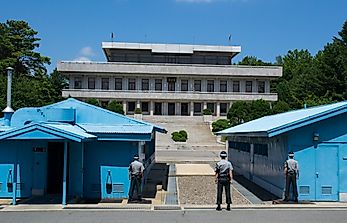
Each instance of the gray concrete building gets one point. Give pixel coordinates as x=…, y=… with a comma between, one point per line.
x=169, y=79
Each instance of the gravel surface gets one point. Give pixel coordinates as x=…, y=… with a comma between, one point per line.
x=202, y=190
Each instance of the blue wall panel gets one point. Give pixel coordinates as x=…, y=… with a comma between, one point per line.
x=118, y=178
x=99, y=154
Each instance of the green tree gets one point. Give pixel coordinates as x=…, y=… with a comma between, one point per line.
x=239, y=113
x=280, y=107
x=259, y=108
x=115, y=107
x=253, y=61
x=93, y=101
x=220, y=125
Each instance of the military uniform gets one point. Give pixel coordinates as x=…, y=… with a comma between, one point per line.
x=291, y=168
x=223, y=178
x=135, y=174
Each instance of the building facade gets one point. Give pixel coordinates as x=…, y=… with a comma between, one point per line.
x=318, y=138
x=169, y=79
x=72, y=149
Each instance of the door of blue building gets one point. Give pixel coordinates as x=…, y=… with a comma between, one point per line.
x=327, y=173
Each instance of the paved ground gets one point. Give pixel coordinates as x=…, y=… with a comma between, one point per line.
x=201, y=216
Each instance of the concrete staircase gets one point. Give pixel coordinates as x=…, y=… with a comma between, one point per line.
x=201, y=146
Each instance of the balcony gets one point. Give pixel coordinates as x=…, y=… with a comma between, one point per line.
x=168, y=95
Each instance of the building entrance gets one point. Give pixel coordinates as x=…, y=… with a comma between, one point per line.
x=171, y=108
x=55, y=168
x=157, y=108
x=184, y=109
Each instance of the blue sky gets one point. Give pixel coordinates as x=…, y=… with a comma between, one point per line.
x=74, y=29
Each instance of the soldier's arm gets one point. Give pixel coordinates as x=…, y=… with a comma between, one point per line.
x=231, y=175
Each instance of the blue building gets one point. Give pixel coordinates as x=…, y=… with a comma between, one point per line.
x=318, y=138
x=71, y=148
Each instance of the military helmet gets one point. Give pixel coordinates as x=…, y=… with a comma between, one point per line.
x=136, y=157
x=291, y=154
x=223, y=154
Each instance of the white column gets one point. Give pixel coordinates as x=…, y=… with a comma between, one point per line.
x=84, y=82
x=178, y=108
x=151, y=108
x=138, y=104
x=218, y=109
x=205, y=105
x=191, y=108
x=125, y=107
x=267, y=86
x=97, y=82
x=125, y=84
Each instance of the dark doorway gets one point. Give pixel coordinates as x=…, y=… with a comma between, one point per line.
x=184, y=109
x=171, y=108
x=157, y=108
x=55, y=167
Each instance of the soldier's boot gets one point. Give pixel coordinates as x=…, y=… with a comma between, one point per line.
x=218, y=207
x=228, y=207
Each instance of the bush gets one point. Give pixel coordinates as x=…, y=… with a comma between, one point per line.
x=206, y=111
x=138, y=111
x=115, y=107
x=220, y=125
x=93, y=101
x=180, y=136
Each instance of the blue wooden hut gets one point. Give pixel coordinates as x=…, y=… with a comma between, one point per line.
x=71, y=148
x=318, y=138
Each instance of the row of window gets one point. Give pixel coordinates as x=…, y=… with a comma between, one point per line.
x=258, y=149
x=158, y=85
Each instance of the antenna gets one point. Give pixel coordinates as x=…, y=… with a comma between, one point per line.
x=229, y=39
x=112, y=36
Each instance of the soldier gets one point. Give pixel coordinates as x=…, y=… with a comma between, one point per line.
x=135, y=176
x=224, y=178
x=291, y=171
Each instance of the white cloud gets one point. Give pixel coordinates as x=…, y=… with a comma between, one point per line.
x=84, y=54
x=87, y=51
x=82, y=59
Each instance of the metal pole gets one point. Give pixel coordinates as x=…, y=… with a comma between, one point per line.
x=9, y=86
x=64, y=176
x=82, y=170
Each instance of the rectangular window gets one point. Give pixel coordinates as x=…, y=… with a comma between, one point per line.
x=145, y=84
x=184, y=85
x=105, y=83
x=240, y=146
x=210, y=86
x=197, y=85
x=261, y=149
x=223, y=86
x=91, y=82
x=210, y=106
x=78, y=83
x=158, y=84
x=236, y=86
x=118, y=84
x=197, y=108
x=249, y=86
x=145, y=107
x=171, y=82
x=131, y=106
x=132, y=84
x=261, y=86
x=223, y=108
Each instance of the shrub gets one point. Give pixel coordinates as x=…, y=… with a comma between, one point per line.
x=180, y=136
x=206, y=111
x=138, y=111
x=115, y=107
x=93, y=101
x=220, y=125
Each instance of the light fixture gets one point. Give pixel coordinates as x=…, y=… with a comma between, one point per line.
x=315, y=137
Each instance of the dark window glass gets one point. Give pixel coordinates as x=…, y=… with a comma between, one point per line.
x=197, y=85
x=210, y=86
x=223, y=108
x=236, y=86
x=131, y=106
x=261, y=149
x=132, y=84
x=78, y=83
x=240, y=146
x=145, y=107
x=261, y=86
x=158, y=85
x=210, y=106
x=248, y=86
x=118, y=84
x=91, y=82
x=184, y=85
x=105, y=83
x=223, y=86
x=145, y=84
x=197, y=108
x=171, y=86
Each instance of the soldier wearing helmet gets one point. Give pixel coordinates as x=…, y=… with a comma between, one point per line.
x=224, y=177
x=291, y=171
